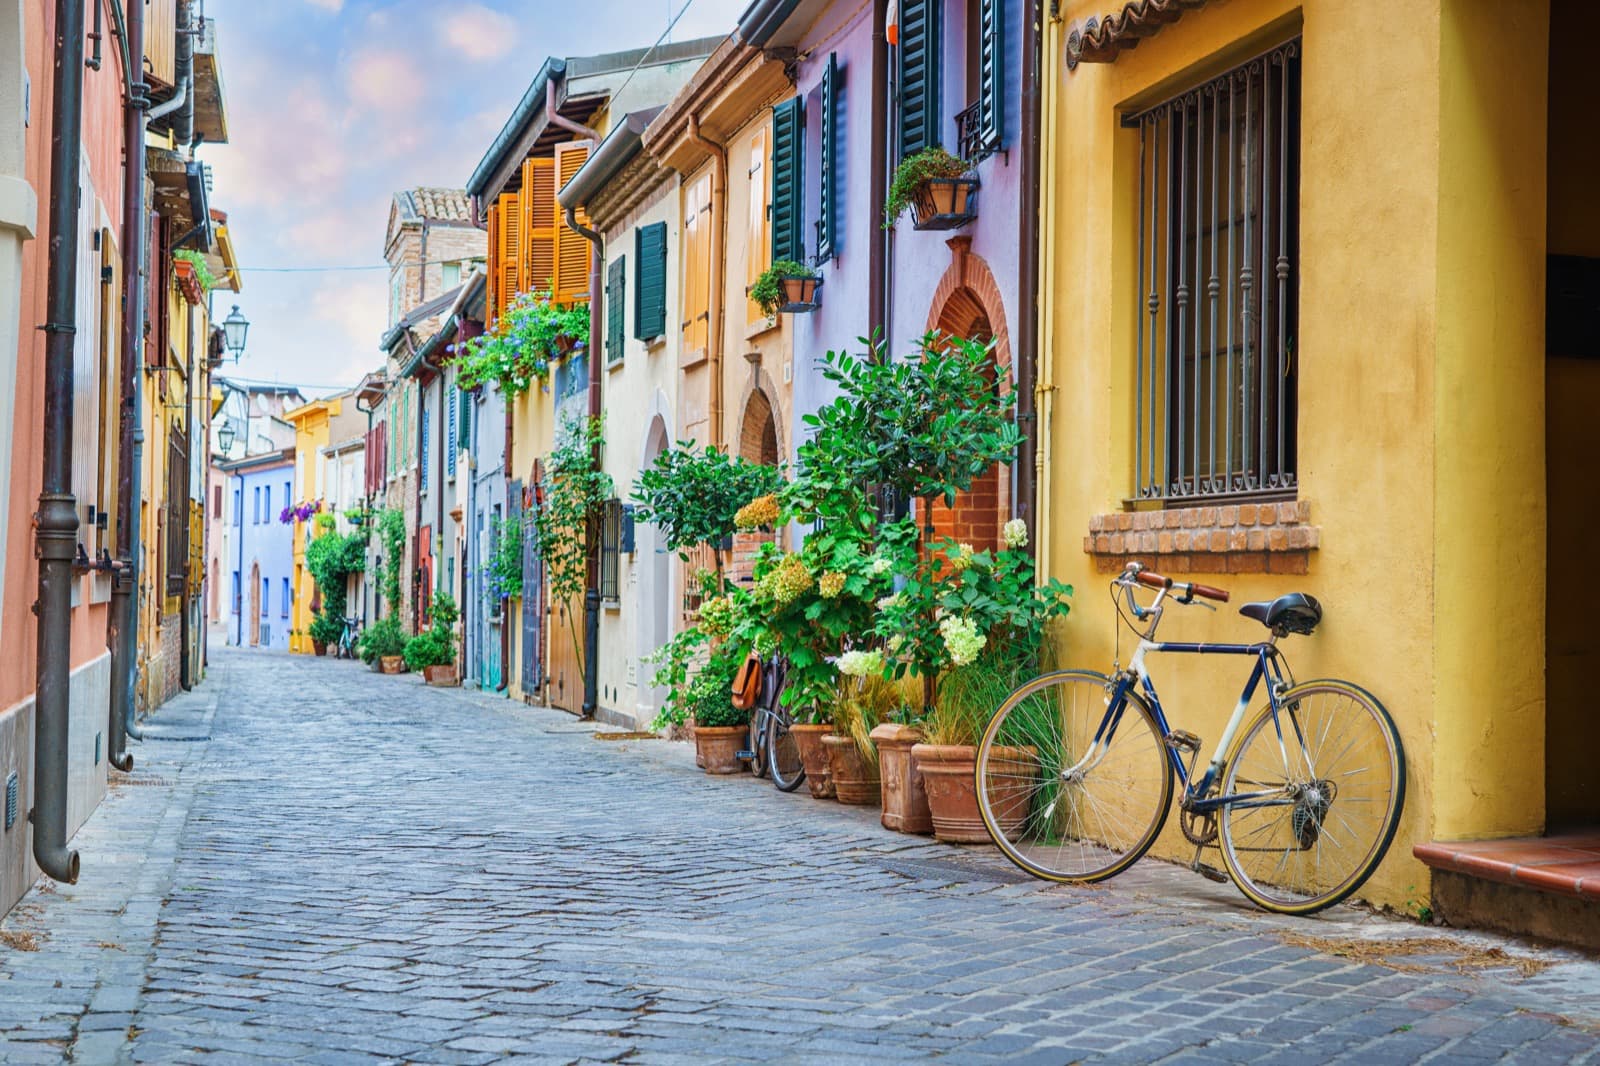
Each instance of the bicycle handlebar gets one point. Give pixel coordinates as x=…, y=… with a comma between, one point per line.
x=1185, y=589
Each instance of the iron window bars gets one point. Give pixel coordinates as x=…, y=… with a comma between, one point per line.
x=1217, y=314
x=610, y=550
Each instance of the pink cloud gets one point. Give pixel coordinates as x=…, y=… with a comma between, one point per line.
x=478, y=32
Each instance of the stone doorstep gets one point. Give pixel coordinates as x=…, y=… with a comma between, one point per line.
x=1567, y=863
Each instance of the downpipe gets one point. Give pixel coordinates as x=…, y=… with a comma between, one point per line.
x=56, y=523
x=591, y=592
x=123, y=625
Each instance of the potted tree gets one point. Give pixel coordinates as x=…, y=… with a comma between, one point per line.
x=787, y=287
x=433, y=651
x=938, y=187
x=325, y=630
x=720, y=728
x=382, y=646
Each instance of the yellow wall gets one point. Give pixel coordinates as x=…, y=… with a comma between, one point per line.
x=1414, y=577
x=1572, y=390
x=310, y=437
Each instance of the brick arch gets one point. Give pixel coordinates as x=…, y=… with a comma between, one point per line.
x=968, y=303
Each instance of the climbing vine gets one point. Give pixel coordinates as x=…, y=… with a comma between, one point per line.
x=573, y=492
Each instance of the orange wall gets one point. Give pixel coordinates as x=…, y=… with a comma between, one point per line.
x=102, y=136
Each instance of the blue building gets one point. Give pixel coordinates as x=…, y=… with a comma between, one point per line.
x=258, y=550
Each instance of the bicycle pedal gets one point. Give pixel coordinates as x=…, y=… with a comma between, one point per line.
x=1183, y=740
x=1210, y=873
x=745, y=755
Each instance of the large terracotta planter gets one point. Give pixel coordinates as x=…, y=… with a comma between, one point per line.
x=814, y=757
x=717, y=747
x=319, y=647
x=905, y=798
x=393, y=664
x=855, y=779
x=949, y=772
x=440, y=676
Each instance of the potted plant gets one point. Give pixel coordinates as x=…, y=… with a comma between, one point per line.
x=866, y=697
x=534, y=332
x=905, y=795
x=382, y=646
x=325, y=630
x=787, y=287
x=720, y=728
x=938, y=187
x=433, y=651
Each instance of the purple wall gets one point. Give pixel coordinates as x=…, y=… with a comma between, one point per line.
x=266, y=543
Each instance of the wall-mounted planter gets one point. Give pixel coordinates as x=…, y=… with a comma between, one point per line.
x=945, y=203
x=800, y=295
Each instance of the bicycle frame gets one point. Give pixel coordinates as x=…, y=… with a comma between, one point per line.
x=1196, y=794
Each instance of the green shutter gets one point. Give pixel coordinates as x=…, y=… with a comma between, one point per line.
x=919, y=75
x=650, y=286
x=827, y=229
x=991, y=73
x=788, y=169
x=464, y=424
x=616, y=282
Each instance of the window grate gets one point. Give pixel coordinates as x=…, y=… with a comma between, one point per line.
x=1217, y=309
x=11, y=799
x=610, y=550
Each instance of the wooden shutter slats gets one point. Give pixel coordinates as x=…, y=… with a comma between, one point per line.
x=616, y=284
x=510, y=249
x=991, y=72
x=650, y=283
x=918, y=55
x=571, y=248
x=788, y=147
x=492, y=282
x=828, y=159
x=539, y=224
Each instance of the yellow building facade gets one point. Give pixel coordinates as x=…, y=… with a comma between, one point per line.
x=1399, y=440
x=311, y=434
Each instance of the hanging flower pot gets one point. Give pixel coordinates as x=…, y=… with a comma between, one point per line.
x=945, y=203
x=787, y=287
x=800, y=294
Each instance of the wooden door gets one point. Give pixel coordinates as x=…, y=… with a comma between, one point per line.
x=255, y=604
x=565, y=686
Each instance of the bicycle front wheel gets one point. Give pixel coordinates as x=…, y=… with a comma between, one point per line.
x=757, y=730
x=1318, y=789
x=783, y=754
x=1071, y=788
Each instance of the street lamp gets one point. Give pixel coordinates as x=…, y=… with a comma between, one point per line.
x=234, y=328
x=225, y=435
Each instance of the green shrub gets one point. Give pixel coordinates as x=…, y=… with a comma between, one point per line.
x=710, y=697
x=915, y=169
x=326, y=628
x=767, y=291
x=381, y=639
x=430, y=648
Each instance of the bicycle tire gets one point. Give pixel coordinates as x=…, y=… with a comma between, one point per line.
x=1326, y=798
x=757, y=733
x=1037, y=736
x=783, y=753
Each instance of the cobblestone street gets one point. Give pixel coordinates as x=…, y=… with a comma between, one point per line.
x=313, y=863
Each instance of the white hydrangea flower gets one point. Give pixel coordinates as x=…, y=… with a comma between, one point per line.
x=860, y=663
x=1015, y=533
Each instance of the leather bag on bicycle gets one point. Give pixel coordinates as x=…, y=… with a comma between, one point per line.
x=747, y=683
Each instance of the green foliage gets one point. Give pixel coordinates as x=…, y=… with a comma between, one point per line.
x=431, y=647
x=969, y=695
x=574, y=491
x=530, y=335
x=710, y=695
x=327, y=626
x=331, y=558
x=324, y=522
x=915, y=169
x=504, y=568
x=392, y=537
x=202, y=272
x=380, y=640
x=675, y=667
x=692, y=496
x=768, y=288
x=443, y=611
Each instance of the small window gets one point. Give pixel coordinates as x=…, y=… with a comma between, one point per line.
x=238, y=507
x=288, y=598
x=237, y=591
x=216, y=501
x=611, y=550
x=256, y=518
x=452, y=275
x=266, y=504
x=266, y=592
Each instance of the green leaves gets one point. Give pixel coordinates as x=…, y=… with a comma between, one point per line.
x=532, y=333
x=573, y=491
x=692, y=496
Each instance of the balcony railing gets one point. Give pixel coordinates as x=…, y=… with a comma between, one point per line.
x=970, y=142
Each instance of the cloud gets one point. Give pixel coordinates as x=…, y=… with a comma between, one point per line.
x=478, y=32
x=390, y=81
x=328, y=5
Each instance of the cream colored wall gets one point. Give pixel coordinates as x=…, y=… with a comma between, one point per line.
x=1429, y=601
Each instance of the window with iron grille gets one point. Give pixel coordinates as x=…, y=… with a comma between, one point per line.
x=611, y=550
x=177, y=512
x=1217, y=299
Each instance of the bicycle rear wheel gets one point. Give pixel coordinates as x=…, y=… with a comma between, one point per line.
x=1321, y=787
x=1068, y=790
x=783, y=754
x=758, y=742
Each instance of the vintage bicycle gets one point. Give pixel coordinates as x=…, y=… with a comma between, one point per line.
x=1076, y=771
x=773, y=752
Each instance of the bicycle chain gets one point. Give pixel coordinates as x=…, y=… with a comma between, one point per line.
x=1201, y=834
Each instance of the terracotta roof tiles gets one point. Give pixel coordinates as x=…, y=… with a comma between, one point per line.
x=1101, y=40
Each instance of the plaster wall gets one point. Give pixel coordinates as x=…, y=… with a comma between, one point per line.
x=267, y=544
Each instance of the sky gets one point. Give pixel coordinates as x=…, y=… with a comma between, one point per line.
x=334, y=105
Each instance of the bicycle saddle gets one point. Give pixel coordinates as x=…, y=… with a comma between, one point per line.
x=1293, y=612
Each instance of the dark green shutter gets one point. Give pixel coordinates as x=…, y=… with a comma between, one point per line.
x=616, y=283
x=788, y=158
x=827, y=234
x=919, y=75
x=650, y=286
x=464, y=425
x=991, y=73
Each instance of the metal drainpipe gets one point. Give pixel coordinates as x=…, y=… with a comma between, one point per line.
x=123, y=623
x=556, y=118
x=185, y=629
x=719, y=197
x=1027, y=350
x=183, y=55
x=238, y=517
x=877, y=248
x=56, y=523
x=591, y=593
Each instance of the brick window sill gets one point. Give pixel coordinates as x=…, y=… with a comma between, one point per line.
x=1246, y=538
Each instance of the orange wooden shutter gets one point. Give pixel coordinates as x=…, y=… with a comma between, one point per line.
x=492, y=293
x=572, y=250
x=510, y=249
x=756, y=232
x=697, y=265
x=538, y=224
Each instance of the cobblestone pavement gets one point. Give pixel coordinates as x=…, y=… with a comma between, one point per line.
x=314, y=863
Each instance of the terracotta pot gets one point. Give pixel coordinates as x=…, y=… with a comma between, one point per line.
x=718, y=747
x=942, y=198
x=319, y=647
x=949, y=772
x=799, y=294
x=855, y=779
x=905, y=798
x=814, y=757
x=393, y=664
x=440, y=676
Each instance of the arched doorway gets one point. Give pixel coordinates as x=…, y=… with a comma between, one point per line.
x=655, y=585
x=758, y=432
x=981, y=511
x=255, y=604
